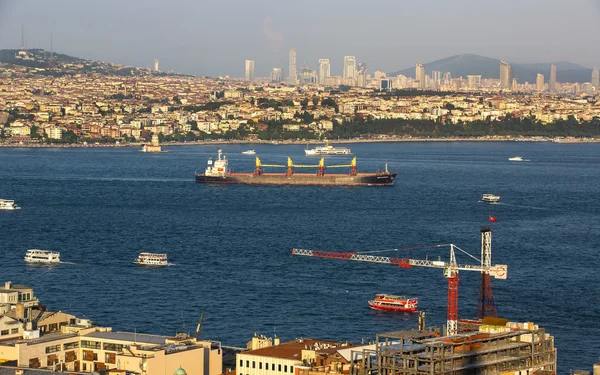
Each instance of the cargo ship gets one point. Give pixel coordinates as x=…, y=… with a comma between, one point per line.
x=218, y=172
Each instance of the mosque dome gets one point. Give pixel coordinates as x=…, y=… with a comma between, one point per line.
x=180, y=371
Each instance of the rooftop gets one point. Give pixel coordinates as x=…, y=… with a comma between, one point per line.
x=293, y=349
x=129, y=337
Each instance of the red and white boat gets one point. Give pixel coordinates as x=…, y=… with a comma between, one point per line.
x=390, y=302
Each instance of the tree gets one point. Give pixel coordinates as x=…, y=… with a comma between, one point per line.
x=315, y=100
x=304, y=103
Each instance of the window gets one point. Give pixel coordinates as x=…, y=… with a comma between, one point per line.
x=34, y=363
x=241, y=363
x=247, y=363
x=292, y=369
x=53, y=348
x=253, y=364
x=70, y=356
x=285, y=368
x=14, y=330
x=90, y=344
x=111, y=358
x=52, y=359
x=5, y=332
x=272, y=367
x=260, y=365
x=52, y=327
x=279, y=368
x=72, y=321
x=113, y=347
x=71, y=345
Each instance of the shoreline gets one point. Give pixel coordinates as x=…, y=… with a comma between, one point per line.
x=306, y=142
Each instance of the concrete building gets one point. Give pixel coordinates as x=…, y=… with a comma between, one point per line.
x=539, y=82
x=249, y=70
x=385, y=84
x=596, y=78
x=13, y=294
x=54, y=132
x=292, y=73
x=89, y=349
x=361, y=75
x=474, y=82
x=552, y=81
x=276, y=75
x=420, y=75
x=156, y=65
x=506, y=78
x=436, y=77
x=349, y=73
x=324, y=70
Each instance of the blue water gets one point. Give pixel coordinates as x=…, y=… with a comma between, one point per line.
x=231, y=245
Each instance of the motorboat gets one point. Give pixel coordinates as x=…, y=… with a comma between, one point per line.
x=516, y=158
x=151, y=259
x=490, y=198
x=8, y=205
x=249, y=152
x=390, y=302
x=42, y=256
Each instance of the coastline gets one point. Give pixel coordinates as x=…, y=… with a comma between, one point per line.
x=303, y=142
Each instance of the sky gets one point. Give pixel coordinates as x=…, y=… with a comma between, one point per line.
x=213, y=38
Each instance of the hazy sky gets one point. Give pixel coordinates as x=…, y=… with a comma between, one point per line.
x=215, y=37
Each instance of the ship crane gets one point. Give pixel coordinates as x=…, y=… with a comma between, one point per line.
x=450, y=268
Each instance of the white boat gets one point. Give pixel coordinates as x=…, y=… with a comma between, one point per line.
x=42, y=256
x=490, y=198
x=151, y=259
x=8, y=205
x=249, y=152
x=327, y=150
x=516, y=158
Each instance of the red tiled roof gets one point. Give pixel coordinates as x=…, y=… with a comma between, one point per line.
x=292, y=349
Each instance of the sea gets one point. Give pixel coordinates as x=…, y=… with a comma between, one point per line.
x=230, y=246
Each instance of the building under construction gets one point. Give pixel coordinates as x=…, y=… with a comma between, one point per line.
x=477, y=348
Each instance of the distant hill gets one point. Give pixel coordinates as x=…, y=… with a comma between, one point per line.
x=487, y=67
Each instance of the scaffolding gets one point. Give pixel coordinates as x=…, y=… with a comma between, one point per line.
x=427, y=353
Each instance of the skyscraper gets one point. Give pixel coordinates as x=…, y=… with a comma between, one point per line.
x=539, y=82
x=596, y=78
x=276, y=75
x=249, y=70
x=420, y=75
x=292, y=73
x=349, y=70
x=324, y=70
x=474, y=81
x=505, y=76
x=436, y=77
x=552, y=81
x=156, y=65
x=361, y=75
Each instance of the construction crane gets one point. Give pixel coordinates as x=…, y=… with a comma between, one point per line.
x=199, y=326
x=451, y=269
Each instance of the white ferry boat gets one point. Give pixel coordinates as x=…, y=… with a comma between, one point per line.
x=249, y=152
x=327, y=150
x=516, y=158
x=490, y=198
x=151, y=259
x=8, y=205
x=42, y=256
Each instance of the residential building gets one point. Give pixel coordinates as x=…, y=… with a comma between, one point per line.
x=249, y=70
x=292, y=73
x=474, y=81
x=54, y=132
x=156, y=65
x=506, y=79
x=324, y=70
x=552, y=81
x=385, y=84
x=13, y=294
x=596, y=79
x=361, y=75
x=420, y=75
x=539, y=82
x=436, y=77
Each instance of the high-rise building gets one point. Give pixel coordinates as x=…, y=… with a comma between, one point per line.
x=474, y=81
x=552, y=81
x=349, y=69
x=436, y=77
x=276, y=75
x=587, y=88
x=420, y=75
x=505, y=76
x=596, y=78
x=361, y=75
x=156, y=65
x=385, y=84
x=539, y=82
x=249, y=70
x=292, y=73
x=324, y=70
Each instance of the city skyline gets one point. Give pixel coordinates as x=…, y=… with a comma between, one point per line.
x=270, y=29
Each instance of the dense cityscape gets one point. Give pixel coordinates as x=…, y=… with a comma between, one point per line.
x=54, y=99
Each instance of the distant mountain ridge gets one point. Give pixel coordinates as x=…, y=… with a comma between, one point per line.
x=487, y=67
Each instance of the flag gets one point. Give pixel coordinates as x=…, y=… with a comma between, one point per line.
x=493, y=219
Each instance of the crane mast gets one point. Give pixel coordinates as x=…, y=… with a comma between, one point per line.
x=450, y=268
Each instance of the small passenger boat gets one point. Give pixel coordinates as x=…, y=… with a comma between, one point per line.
x=390, y=302
x=151, y=259
x=490, y=198
x=516, y=158
x=8, y=205
x=42, y=256
x=249, y=152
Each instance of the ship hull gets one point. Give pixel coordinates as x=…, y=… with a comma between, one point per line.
x=382, y=179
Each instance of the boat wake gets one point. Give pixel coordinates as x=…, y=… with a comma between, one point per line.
x=172, y=264
x=61, y=262
x=520, y=206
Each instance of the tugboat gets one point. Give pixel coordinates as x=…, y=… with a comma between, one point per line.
x=390, y=302
x=151, y=259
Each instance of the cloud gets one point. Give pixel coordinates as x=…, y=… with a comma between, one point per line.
x=271, y=34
